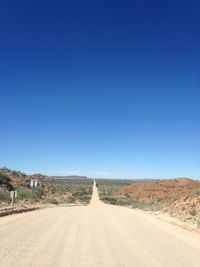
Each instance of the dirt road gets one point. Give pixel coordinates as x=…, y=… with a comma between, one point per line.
x=95, y=235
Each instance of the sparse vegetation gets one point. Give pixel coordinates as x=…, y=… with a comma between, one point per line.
x=29, y=194
x=4, y=197
x=179, y=197
x=24, y=194
x=156, y=206
x=52, y=201
x=71, y=200
x=71, y=190
x=38, y=192
x=107, y=188
x=197, y=191
x=109, y=193
x=109, y=200
x=5, y=181
x=18, y=173
x=63, y=191
x=193, y=211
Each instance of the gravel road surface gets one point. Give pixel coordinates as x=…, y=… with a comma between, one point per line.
x=95, y=235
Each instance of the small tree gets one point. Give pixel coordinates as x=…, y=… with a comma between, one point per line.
x=5, y=181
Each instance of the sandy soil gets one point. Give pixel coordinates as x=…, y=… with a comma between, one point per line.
x=95, y=235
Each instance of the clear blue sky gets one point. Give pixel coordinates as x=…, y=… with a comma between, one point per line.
x=100, y=88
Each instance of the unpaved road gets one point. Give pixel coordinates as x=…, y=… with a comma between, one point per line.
x=96, y=235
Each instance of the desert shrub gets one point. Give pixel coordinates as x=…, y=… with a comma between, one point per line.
x=15, y=173
x=83, y=195
x=84, y=198
x=154, y=206
x=5, y=169
x=52, y=201
x=6, y=181
x=24, y=194
x=71, y=199
x=137, y=205
x=21, y=173
x=108, y=187
x=4, y=196
x=124, y=202
x=38, y=192
x=110, y=200
x=193, y=212
x=80, y=190
x=194, y=192
x=198, y=191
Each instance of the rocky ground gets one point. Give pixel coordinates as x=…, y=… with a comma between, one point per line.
x=49, y=191
x=95, y=235
x=177, y=197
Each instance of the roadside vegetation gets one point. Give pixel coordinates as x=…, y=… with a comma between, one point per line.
x=108, y=188
x=70, y=191
x=5, y=181
x=111, y=192
x=178, y=197
x=54, y=192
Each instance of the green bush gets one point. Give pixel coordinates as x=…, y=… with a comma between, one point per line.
x=71, y=199
x=4, y=197
x=28, y=194
x=198, y=191
x=52, y=201
x=193, y=212
x=6, y=181
x=124, y=202
x=80, y=190
x=137, y=205
x=110, y=200
x=84, y=198
x=38, y=192
x=15, y=173
x=24, y=194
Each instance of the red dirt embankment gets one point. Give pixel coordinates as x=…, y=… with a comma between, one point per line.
x=180, y=197
x=150, y=191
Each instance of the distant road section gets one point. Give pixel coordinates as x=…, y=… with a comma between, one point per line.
x=95, y=235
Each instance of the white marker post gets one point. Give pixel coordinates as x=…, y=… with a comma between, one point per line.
x=13, y=195
x=33, y=184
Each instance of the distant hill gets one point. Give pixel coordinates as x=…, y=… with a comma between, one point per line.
x=68, y=177
x=41, y=177
x=10, y=179
x=49, y=190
